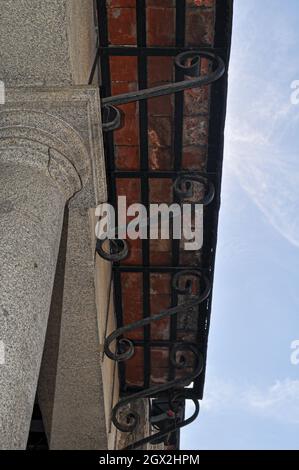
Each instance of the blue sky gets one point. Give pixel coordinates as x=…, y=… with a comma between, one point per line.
x=252, y=389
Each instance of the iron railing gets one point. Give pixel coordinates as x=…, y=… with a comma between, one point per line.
x=190, y=357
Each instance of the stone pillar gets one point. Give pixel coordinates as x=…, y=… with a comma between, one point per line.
x=47, y=51
x=35, y=184
x=51, y=157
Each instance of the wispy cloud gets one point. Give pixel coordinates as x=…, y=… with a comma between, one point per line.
x=261, y=130
x=279, y=401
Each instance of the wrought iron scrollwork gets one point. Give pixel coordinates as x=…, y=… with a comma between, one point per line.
x=113, y=250
x=125, y=347
x=184, y=187
x=124, y=417
x=176, y=423
x=117, y=249
x=129, y=419
x=187, y=62
x=111, y=118
x=180, y=359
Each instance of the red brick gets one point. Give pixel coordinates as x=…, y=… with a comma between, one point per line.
x=132, y=305
x=121, y=3
x=129, y=109
x=135, y=253
x=129, y=187
x=160, y=259
x=127, y=157
x=129, y=133
x=161, y=3
x=196, y=101
x=161, y=106
x=137, y=359
x=194, y=157
x=159, y=376
x=199, y=27
x=160, y=131
x=196, y=130
x=160, y=330
x=160, y=283
x=160, y=252
x=161, y=246
x=160, y=69
x=160, y=357
x=205, y=66
x=134, y=375
x=161, y=190
x=159, y=365
x=160, y=26
x=135, y=368
x=118, y=88
x=132, y=281
x=122, y=26
x=160, y=158
x=190, y=258
x=123, y=69
x=201, y=3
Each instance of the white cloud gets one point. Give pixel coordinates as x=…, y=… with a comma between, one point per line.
x=220, y=395
x=261, y=141
x=279, y=401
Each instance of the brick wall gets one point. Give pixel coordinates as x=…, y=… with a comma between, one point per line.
x=161, y=31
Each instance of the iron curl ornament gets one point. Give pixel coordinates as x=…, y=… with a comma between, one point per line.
x=189, y=64
x=184, y=187
x=117, y=249
x=112, y=118
x=113, y=250
x=125, y=347
x=129, y=418
x=177, y=395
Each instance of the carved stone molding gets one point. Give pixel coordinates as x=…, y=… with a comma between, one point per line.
x=68, y=123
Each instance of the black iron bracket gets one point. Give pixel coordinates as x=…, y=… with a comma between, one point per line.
x=187, y=62
x=182, y=355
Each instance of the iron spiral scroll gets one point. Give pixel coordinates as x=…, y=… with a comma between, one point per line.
x=184, y=188
x=126, y=346
x=124, y=349
x=183, y=356
x=123, y=417
x=130, y=419
x=176, y=425
x=187, y=62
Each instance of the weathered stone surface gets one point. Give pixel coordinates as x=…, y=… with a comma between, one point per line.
x=45, y=46
x=52, y=140
x=46, y=43
x=31, y=214
x=106, y=325
x=68, y=121
x=70, y=387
